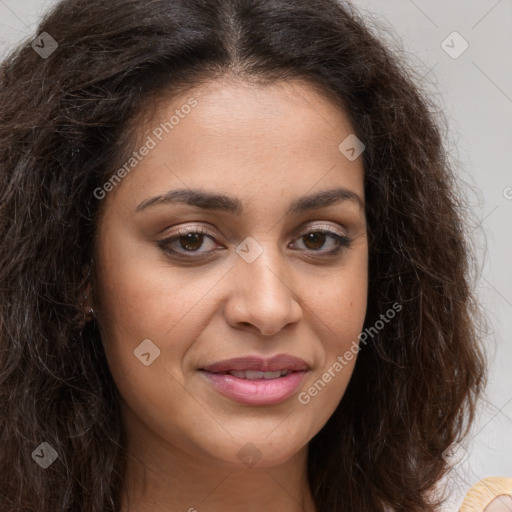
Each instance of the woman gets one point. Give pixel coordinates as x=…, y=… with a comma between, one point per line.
x=234, y=271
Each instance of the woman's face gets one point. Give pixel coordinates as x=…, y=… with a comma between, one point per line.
x=257, y=169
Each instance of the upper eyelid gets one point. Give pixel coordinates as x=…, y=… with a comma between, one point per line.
x=343, y=240
x=297, y=232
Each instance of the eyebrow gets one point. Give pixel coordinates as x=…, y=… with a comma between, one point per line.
x=226, y=203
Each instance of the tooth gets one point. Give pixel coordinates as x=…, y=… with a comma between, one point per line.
x=250, y=374
x=271, y=375
x=255, y=375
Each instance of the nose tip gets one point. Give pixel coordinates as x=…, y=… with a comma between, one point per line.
x=263, y=297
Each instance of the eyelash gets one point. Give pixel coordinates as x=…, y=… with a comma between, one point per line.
x=341, y=240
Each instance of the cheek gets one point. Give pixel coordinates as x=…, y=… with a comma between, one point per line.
x=339, y=310
x=144, y=300
x=140, y=291
x=340, y=303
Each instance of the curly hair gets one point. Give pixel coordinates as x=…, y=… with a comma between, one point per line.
x=68, y=121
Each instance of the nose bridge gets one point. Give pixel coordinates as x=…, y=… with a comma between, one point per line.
x=262, y=265
x=264, y=295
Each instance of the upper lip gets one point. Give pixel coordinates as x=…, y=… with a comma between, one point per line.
x=255, y=363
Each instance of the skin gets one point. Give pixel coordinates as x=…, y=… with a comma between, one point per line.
x=266, y=146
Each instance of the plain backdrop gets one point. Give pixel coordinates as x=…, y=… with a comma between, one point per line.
x=461, y=52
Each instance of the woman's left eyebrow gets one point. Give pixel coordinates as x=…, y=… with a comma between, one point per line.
x=223, y=202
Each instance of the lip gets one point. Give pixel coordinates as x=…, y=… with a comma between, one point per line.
x=259, y=391
x=255, y=363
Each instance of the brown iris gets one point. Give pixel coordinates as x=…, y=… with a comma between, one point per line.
x=191, y=241
x=316, y=238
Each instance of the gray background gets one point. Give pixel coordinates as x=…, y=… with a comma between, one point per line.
x=475, y=92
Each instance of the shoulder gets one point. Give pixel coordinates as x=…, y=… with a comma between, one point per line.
x=484, y=493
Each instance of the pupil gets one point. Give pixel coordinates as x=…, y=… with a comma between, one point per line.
x=192, y=238
x=315, y=238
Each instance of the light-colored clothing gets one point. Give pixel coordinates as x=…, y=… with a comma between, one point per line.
x=482, y=494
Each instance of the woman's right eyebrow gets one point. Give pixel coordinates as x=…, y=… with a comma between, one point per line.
x=230, y=204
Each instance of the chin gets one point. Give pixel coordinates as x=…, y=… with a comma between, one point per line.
x=259, y=453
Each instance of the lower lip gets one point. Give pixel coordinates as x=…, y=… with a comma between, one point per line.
x=256, y=392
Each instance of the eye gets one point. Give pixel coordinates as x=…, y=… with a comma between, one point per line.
x=191, y=240
x=315, y=239
x=187, y=240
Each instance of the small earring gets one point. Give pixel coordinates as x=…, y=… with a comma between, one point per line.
x=91, y=310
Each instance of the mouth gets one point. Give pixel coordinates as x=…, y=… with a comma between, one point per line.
x=254, y=367
x=257, y=381
x=255, y=375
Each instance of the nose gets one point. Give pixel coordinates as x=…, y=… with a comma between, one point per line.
x=262, y=296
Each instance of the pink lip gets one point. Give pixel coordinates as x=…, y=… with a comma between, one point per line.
x=279, y=362
x=256, y=392
x=259, y=391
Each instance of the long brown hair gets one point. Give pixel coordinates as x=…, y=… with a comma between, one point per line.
x=65, y=121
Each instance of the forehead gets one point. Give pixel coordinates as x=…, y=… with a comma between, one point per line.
x=246, y=115
x=242, y=138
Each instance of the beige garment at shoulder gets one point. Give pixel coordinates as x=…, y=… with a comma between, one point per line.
x=484, y=492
